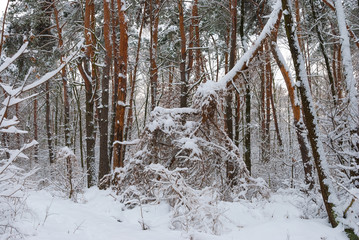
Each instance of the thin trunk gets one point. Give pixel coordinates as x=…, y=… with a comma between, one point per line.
x=262, y=113
x=268, y=96
x=197, y=42
x=133, y=80
x=64, y=79
x=36, y=148
x=275, y=120
x=190, y=49
x=17, y=134
x=115, y=23
x=339, y=73
x=3, y=25
x=48, y=123
x=79, y=112
x=154, y=21
x=322, y=49
x=237, y=118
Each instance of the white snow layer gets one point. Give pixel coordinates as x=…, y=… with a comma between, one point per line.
x=100, y=216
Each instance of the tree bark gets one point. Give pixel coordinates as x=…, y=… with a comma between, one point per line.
x=36, y=148
x=327, y=190
x=104, y=161
x=118, y=154
x=63, y=77
x=90, y=92
x=352, y=92
x=48, y=123
x=154, y=21
x=115, y=51
x=232, y=59
x=184, y=83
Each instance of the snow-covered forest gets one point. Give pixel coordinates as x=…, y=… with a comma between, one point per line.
x=173, y=119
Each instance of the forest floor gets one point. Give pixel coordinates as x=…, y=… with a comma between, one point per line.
x=97, y=215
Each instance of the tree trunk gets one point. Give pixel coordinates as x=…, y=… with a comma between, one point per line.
x=327, y=189
x=322, y=49
x=115, y=50
x=79, y=112
x=90, y=90
x=64, y=78
x=48, y=123
x=232, y=59
x=154, y=20
x=352, y=92
x=298, y=123
x=129, y=120
x=104, y=161
x=247, y=134
x=184, y=84
x=118, y=155
x=36, y=148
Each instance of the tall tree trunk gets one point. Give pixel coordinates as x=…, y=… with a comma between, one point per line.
x=247, y=134
x=184, y=83
x=229, y=97
x=90, y=92
x=115, y=50
x=118, y=155
x=351, y=89
x=104, y=161
x=327, y=189
x=232, y=59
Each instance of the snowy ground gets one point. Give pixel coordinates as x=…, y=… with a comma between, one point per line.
x=99, y=216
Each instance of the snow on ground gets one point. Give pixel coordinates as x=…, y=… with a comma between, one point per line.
x=99, y=216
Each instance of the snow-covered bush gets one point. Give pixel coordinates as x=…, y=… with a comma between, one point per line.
x=178, y=139
x=190, y=162
x=68, y=177
x=12, y=177
x=192, y=209
x=13, y=180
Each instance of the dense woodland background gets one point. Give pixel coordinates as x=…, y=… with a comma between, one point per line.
x=239, y=97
